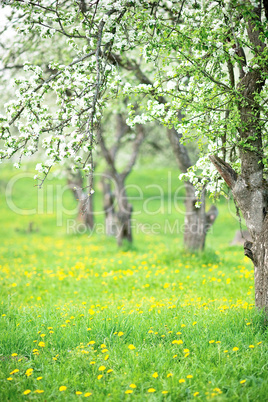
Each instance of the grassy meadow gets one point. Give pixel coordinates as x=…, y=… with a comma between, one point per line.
x=83, y=320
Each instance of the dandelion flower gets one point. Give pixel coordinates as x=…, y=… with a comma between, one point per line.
x=78, y=393
x=155, y=375
x=196, y=393
x=29, y=372
x=39, y=378
x=9, y=379
x=133, y=386
x=242, y=381
x=129, y=391
x=120, y=333
x=87, y=394
x=181, y=380
x=14, y=371
x=62, y=388
x=41, y=344
x=39, y=391
x=14, y=354
x=100, y=376
x=235, y=349
x=177, y=341
x=189, y=376
x=131, y=347
x=26, y=392
x=109, y=371
x=151, y=390
x=102, y=368
x=251, y=346
x=212, y=341
x=169, y=375
x=164, y=392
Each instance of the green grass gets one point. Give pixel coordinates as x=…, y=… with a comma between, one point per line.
x=88, y=301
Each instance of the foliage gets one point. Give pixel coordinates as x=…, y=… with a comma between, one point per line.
x=187, y=59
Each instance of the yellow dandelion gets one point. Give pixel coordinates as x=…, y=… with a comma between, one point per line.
x=195, y=322
x=129, y=391
x=100, y=376
x=164, y=392
x=131, y=347
x=181, y=380
x=14, y=371
x=196, y=393
x=177, y=342
x=91, y=343
x=169, y=375
x=9, y=379
x=106, y=357
x=189, y=376
x=41, y=344
x=14, y=354
x=151, y=390
x=133, y=386
x=212, y=341
x=242, y=381
x=102, y=368
x=78, y=393
x=92, y=363
x=235, y=349
x=109, y=371
x=27, y=391
x=155, y=375
x=62, y=388
x=120, y=333
x=251, y=346
x=39, y=378
x=39, y=391
x=87, y=394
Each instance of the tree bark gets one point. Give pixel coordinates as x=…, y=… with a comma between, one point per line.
x=85, y=202
x=123, y=215
x=197, y=222
x=108, y=206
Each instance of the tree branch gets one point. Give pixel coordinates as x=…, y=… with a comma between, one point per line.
x=225, y=170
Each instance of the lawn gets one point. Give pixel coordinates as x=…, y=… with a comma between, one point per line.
x=82, y=320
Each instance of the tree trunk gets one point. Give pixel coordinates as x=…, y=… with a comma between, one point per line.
x=85, y=202
x=251, y=195
x=109, y=207
x=124, y=213
x=197, y=222
x=260, y=259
